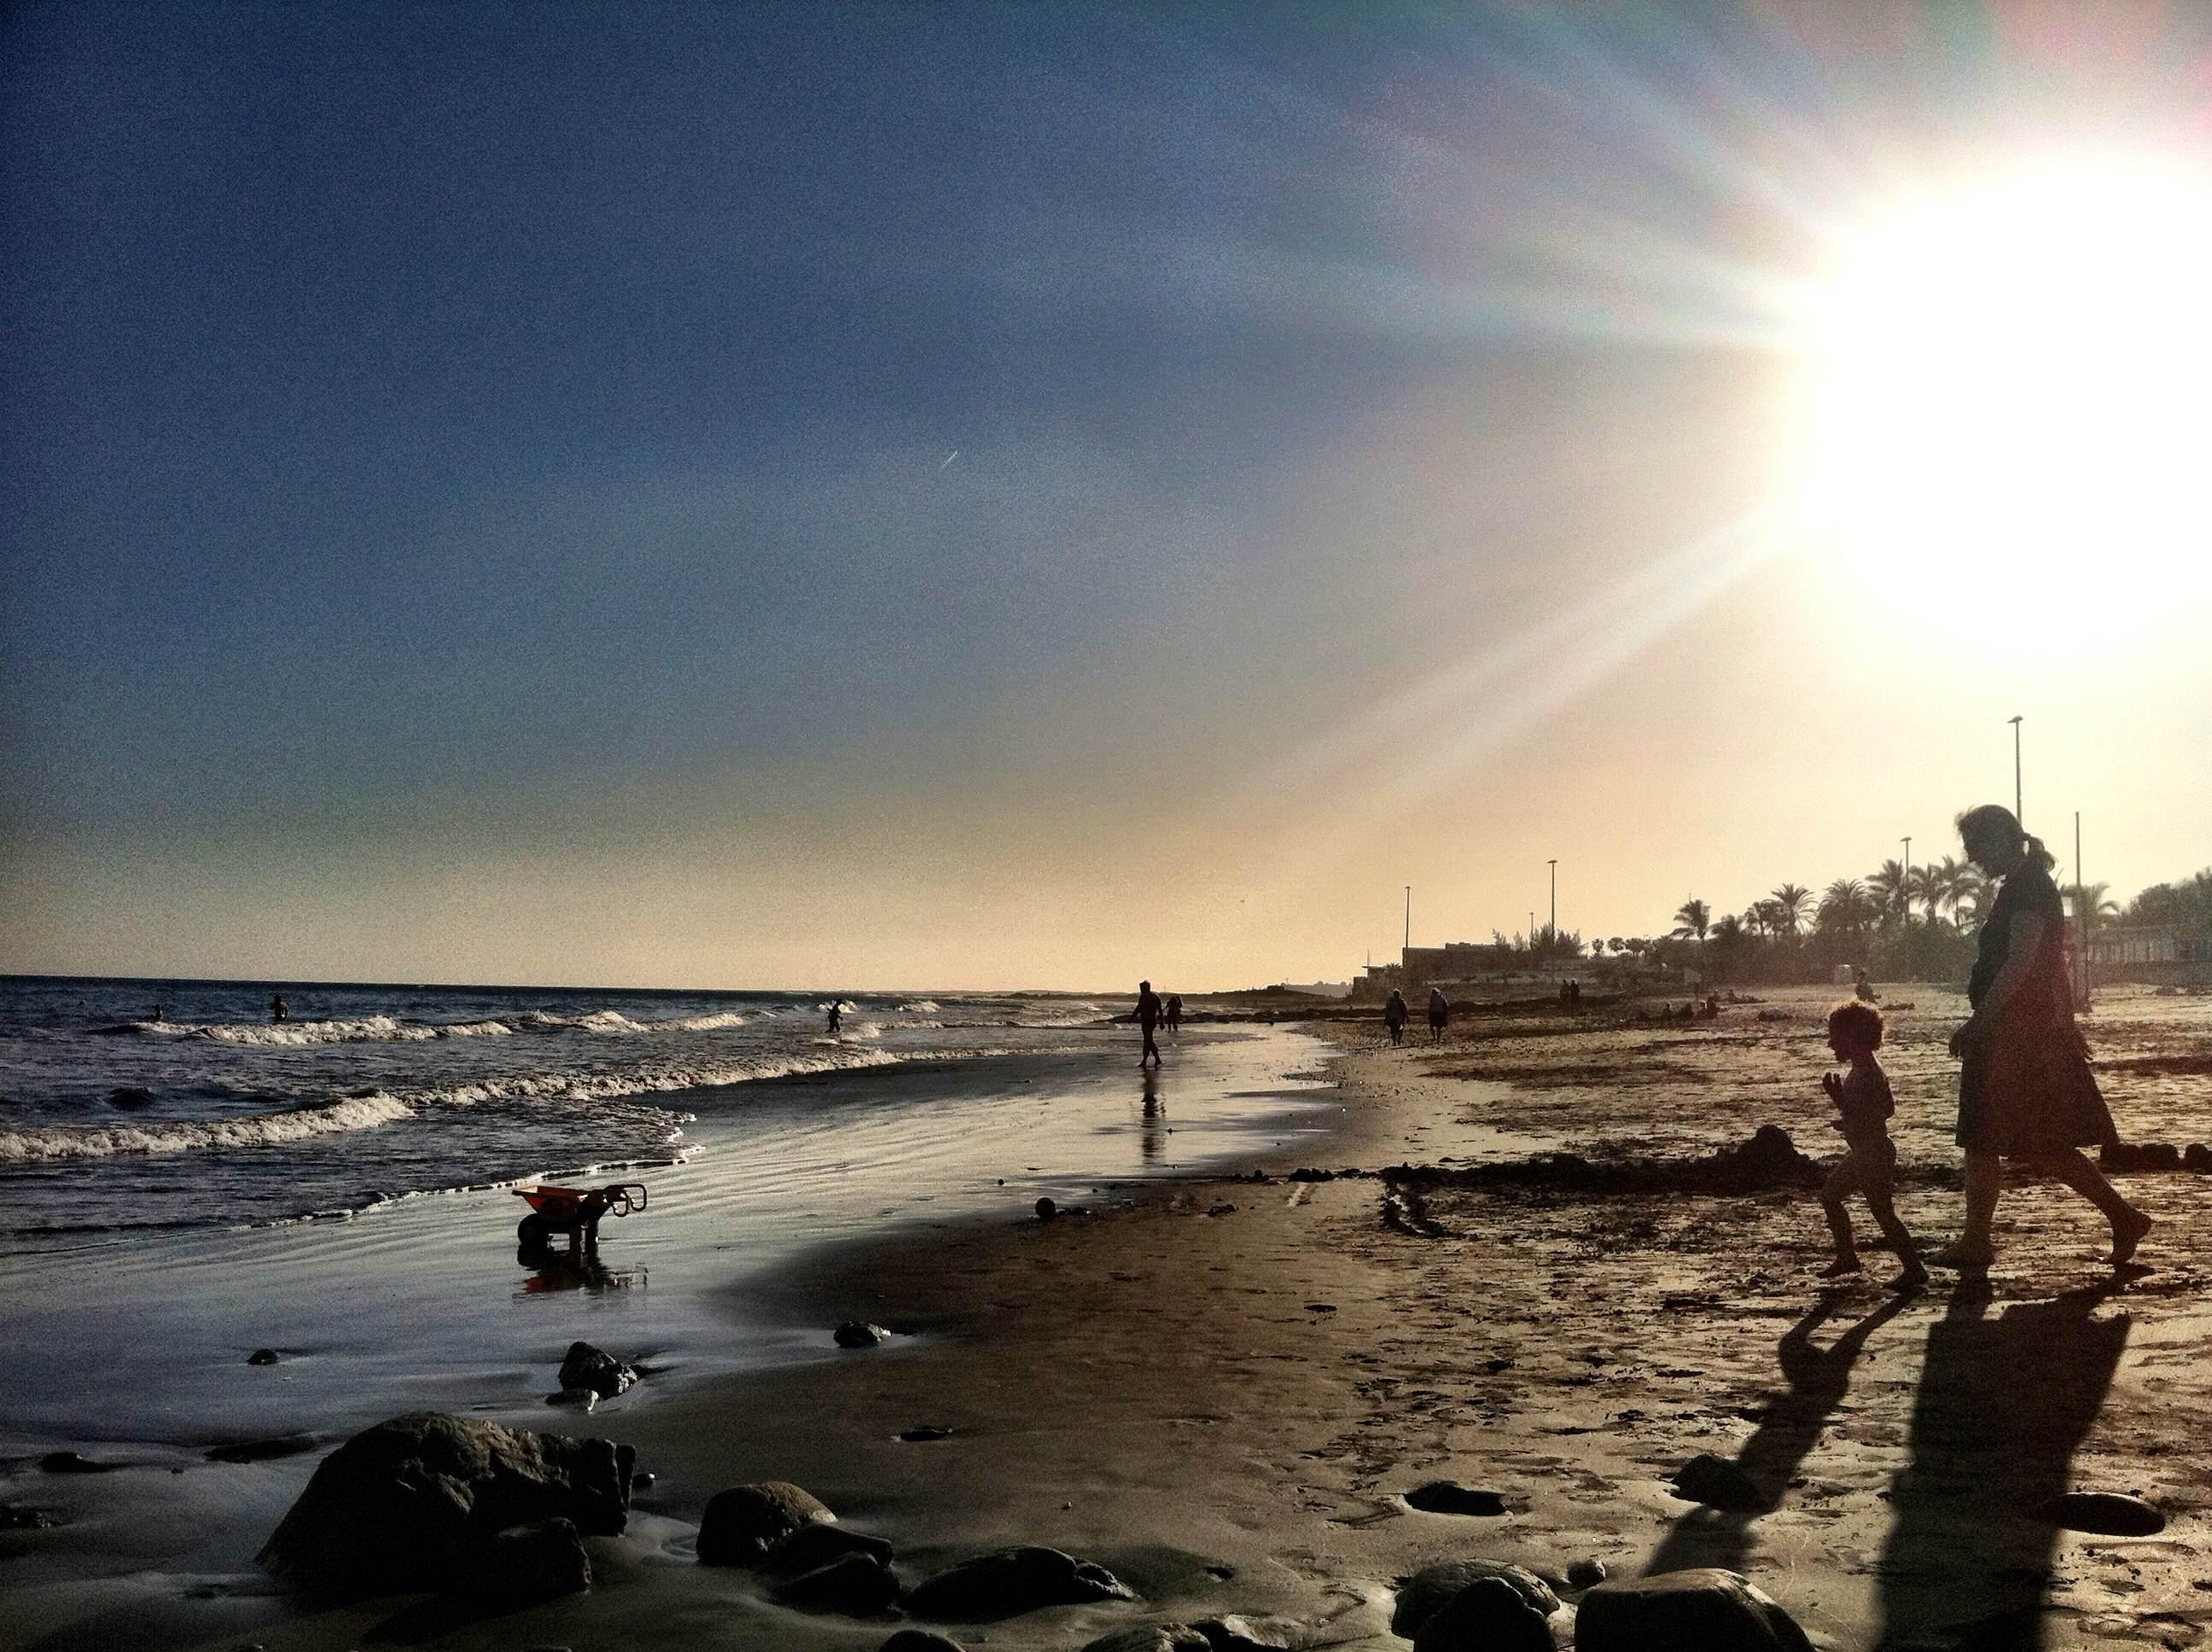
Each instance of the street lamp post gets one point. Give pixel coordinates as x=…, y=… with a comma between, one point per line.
x=1554, y=865
x=1409, y=917
x=1905, y=889
x=2017, y=814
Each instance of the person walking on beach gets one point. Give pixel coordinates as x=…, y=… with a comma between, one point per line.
x=1439, y=1013
x=1174, y=1012
x=1148, y=1015
x=1863, y=1104
x=2025, y=1089
x=837, y=1013
x=1394, y=1016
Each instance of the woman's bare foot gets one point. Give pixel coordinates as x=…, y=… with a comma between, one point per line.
x=1841, y=1265
x=2127, y=1234
x=1911, y=1282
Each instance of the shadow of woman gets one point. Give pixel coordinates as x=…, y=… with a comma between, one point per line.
x=2002, y=1406
x=1818, y=1379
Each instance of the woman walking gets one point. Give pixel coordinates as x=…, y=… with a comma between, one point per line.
x=2026, y=1092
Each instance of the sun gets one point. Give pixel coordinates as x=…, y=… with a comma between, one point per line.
x=2014, y=374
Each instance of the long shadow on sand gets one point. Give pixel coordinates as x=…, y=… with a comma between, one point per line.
x=1817, y=1379
x=2002, y=1405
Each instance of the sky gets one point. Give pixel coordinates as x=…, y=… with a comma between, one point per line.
x=969, y=496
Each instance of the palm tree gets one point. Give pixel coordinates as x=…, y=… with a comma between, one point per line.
x=1971, y=898
x=1788, y=903
x=1926, y=884
x=2090, y=898
x=1887, y=887
x=1845, y=907
x=1693, y=919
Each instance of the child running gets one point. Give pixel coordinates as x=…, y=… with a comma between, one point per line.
x=1863, y=1105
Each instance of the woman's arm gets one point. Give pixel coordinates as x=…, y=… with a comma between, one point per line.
x=2026, y=941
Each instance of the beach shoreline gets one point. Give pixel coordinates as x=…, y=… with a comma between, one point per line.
x=1220, y=1387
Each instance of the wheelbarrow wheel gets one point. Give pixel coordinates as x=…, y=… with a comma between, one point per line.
x=533, y=1232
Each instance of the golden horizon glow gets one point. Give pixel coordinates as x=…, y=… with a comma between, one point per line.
x=2009, y=379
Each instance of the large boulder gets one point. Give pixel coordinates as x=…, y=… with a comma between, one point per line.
x=741, y=1525
x=1704, y=1610
x=1433, y=1588
x=413, y=1504
x=1488, y=1615
x=1011, y=1582
x=586, y=1367
x=819, y=1543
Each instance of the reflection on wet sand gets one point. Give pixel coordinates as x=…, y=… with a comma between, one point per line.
x=1153, y=1141
x=2002, y=1406
x=553, y=1270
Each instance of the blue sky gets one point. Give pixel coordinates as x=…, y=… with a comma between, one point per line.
x=934, y=495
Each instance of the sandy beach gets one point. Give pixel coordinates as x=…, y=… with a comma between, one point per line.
x=1218, y=1386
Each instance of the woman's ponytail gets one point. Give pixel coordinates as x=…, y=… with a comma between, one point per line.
x=2033, y=847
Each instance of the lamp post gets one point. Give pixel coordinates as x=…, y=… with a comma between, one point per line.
x=2016, y=812
x=1905, y=889
x=1554, y=865
x=1409, y=917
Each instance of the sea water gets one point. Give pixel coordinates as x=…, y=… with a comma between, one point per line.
x=114, y=1121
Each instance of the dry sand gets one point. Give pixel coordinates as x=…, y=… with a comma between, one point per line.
x=1219, y=1388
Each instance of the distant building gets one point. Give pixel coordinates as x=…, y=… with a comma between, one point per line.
x=2164, y=955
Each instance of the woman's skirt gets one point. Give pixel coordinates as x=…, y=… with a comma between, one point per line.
x=2028, y=1090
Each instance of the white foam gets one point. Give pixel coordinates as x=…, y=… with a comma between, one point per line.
x=294, y=1124
x=922, y=1006
x=702, y=1023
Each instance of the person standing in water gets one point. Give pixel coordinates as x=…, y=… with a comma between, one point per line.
x=1174, y=1012
x=837, y=1013
x=278, y=1008
x=2025, y=1089
x=1148, y=1015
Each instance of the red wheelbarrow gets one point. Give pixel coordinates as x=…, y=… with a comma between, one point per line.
x=574, y=1211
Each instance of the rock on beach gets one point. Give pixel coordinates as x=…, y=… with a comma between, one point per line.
x=1010, y=1582
x=1428, y=1591
x=1702, y=1610
x=415, y=1503
x=741, y=1525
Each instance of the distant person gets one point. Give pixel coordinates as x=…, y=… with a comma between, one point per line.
x=1174, y=1012
x=1863, y=1105
x=160, y=1014
x=278, y=1008
x=1147, y=1015
x=836, y=1014
x=1566, y=995
x=1865, y=990
x=1439, y=1013
x=2024, y=1090
x=1394, y=1016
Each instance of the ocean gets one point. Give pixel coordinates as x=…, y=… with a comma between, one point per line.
x=114, y=1122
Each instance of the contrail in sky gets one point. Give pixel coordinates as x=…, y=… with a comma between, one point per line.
x=950, y=457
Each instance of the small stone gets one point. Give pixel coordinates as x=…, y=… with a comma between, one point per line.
x=920, y=1639
x=1586, y=1573
x=2108, y=1514
x=262, y=1357
x=523, y=1565
x=1010, y=1582
x=926, y=1431
x=129, y=1095
x=1702, y=1610
x=2160, y=1156
x=1433, y=1588
x=854, y=1334
x=1150, y=1638
x=1046, y=1210
x=642, y=1480
x=263, y=1451
x=586, y=1367
x=1718, y=1483
x=1488, y=1615
x=2197, y=1157
x=13, y=1518
x=70, y=1462
x=573, y=1398
x=741, y=1525
x=817, y=1543
x=1450, y=1498
x=1251, y=1634
x=857, y=1585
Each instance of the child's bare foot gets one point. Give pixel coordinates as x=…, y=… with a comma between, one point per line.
x=1840, y=1267
x=2127, y=1234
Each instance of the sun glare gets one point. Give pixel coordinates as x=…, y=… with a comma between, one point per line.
x=2016, y=375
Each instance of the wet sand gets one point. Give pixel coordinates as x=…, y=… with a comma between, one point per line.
x=1219, y=1387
